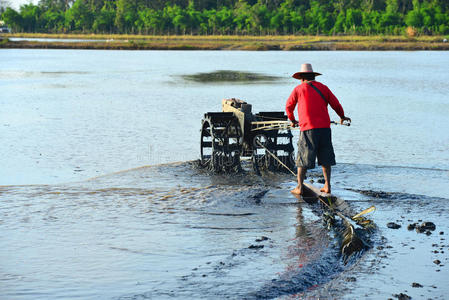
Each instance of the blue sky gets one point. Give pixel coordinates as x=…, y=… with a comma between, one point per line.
x=17, y=3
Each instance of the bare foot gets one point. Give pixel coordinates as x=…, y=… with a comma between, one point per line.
x=297, y=190
x=326, y=189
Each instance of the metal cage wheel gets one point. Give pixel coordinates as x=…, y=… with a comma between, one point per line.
x=221, y=144
x=277, y=142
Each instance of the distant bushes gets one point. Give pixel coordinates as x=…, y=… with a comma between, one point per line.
x=252, y=17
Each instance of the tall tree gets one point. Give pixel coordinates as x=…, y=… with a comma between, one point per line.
x=231, y=16
x=242, y=17
x=13, y=19
x=52, y=20
x=79, y=17
x=126, y=15
x=30, y=17
x=104, y=19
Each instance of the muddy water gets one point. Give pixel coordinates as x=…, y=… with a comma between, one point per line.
x=166, y=231
x=176, y=231
x=93, y=206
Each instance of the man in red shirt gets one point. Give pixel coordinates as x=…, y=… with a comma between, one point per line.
x=312, y=98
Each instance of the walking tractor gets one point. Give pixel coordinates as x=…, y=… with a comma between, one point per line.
x=236, y=133
x=266, y=138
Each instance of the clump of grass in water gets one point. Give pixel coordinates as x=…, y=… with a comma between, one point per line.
x=229, y=76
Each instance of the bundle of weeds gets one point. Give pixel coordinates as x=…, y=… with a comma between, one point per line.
x=351, y=242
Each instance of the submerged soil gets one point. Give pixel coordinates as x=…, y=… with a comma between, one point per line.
x=176, y=231
x=227, y=76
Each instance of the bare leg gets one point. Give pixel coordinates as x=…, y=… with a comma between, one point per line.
x=301, y=176
x=327, y=179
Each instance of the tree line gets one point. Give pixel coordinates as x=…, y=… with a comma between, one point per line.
x=255, y=17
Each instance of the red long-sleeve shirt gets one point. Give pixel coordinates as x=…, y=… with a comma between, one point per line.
x=312, y=110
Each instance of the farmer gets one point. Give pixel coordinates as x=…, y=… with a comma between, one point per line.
x=312, y=98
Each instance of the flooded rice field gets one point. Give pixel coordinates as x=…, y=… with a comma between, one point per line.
x=101, y=195
x=176, y=231
x=162, y=232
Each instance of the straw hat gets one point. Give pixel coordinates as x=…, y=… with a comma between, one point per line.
x=305, y=69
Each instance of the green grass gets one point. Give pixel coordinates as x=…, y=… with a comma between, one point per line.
x=4, y=41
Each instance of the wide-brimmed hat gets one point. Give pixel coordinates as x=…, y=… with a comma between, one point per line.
x=305, y=69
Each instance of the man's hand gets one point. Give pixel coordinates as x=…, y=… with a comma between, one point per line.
x=294, y=123
x=342, y=121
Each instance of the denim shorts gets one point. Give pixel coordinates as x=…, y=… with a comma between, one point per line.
x=313, y=144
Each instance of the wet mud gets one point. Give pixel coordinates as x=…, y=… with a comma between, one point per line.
x=267, y=266
x=407, y=251
x=178, y=231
